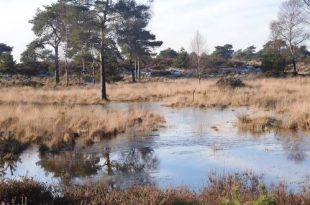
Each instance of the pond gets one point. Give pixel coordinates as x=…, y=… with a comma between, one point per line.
x=195, y=144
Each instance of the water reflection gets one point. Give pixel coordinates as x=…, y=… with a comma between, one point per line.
x=294, y=145
x=136, y=161
x=132, y=166
x=195, y=143
x=70, y=165
x=8, y=166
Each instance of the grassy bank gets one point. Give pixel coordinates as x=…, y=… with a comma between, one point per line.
x=59, y=127
x=233, y=189
x=288, y=97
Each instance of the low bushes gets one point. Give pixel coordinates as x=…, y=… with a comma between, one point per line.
x=237, y=189
x=230, y=83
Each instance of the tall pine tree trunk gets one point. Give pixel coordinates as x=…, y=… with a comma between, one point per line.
x=294, y=66
x=132, y=68
x=133, y=75
x=83, y=63
x=94, y=72
x=102, y=68
x=139, y=71
x=135, y=68
x=67, y=74
x=56, y=65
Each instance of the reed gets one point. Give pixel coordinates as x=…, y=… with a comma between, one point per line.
x=60, y=126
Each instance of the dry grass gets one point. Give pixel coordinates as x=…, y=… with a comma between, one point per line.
x=289, y=96
x=231, y=189
x=59, y=126
x=258, y=124
x=53, y=96
x=286, y=97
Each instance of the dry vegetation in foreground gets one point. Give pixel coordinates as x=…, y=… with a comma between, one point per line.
x=58, y=127
x=234, y=189
x=289, y=97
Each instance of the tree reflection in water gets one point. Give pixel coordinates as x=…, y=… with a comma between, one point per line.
x=294, y=145
x=9, y=165
x=133, y=167
x=128, y=167
x=69, y=165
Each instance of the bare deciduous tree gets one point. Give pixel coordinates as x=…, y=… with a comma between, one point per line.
x=198, y=46
x=275, y=33
x=307, y=2
x=307, y=9
x=291, y=27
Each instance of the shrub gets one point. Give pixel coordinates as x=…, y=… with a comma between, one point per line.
x=25, y=191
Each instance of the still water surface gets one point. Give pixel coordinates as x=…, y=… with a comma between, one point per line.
x=195, y=144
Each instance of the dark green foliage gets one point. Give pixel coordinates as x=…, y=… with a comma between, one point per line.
x=35, y=59
x=6, y=58
x=247, y=54
x=274, y=56
x=48, y=24
x=35, y=53
x=133, y=38
x=182, y=59
x=168, y=53
x=50, y=27
x=5, y=48
x=225, y=51
x=273, y=61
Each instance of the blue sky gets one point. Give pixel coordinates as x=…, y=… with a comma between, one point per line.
x=239, y=22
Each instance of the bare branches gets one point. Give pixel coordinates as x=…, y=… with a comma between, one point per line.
x=290, y=26
x=198, y=46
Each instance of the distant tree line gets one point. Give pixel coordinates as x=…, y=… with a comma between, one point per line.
x=285, y=48
x=95, y=37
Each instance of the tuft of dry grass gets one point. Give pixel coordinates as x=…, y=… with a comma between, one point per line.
x=258, y=124
x=59, y=126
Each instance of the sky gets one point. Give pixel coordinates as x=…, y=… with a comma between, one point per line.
x=239, y=22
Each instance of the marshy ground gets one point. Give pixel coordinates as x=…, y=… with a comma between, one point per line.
x=59, y=127
x=288, y=98
x=82, y=138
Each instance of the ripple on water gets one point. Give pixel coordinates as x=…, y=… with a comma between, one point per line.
x=194, y=144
